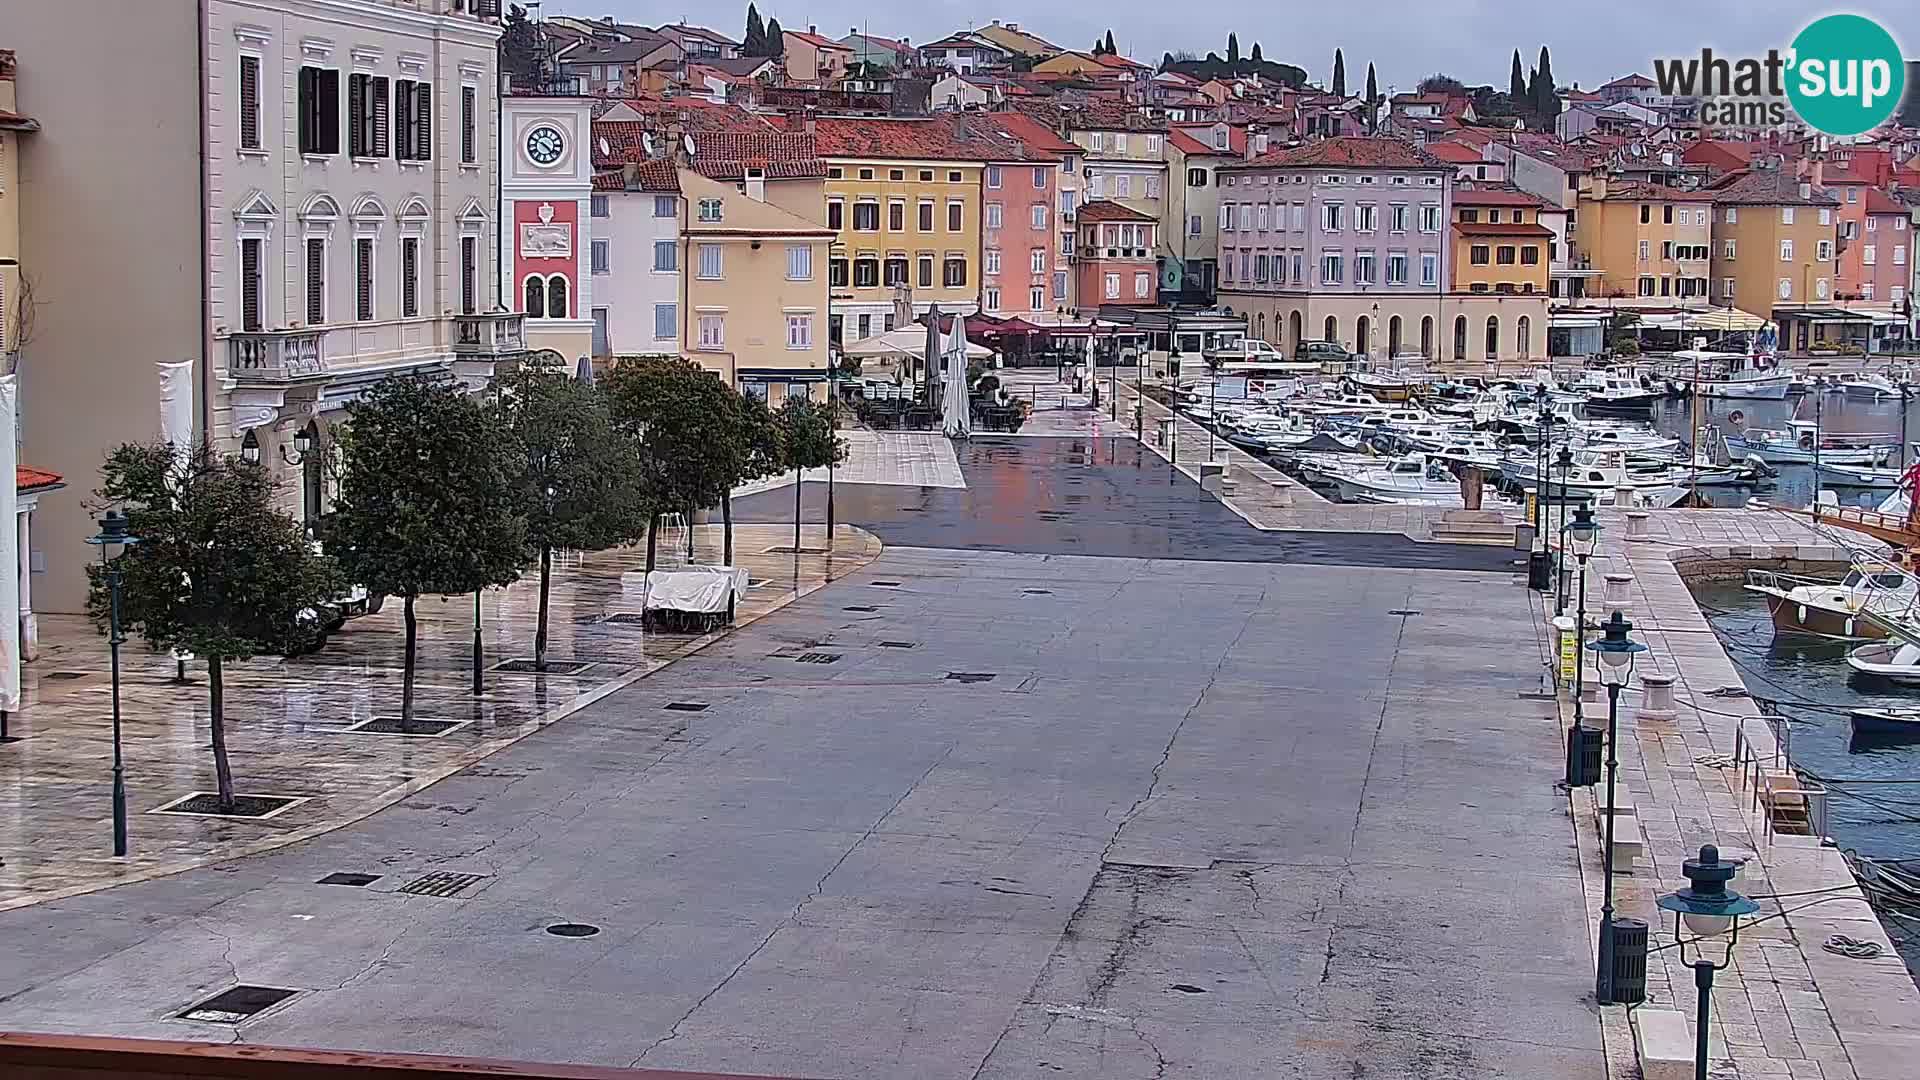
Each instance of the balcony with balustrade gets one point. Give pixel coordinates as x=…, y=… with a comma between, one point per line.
x=277, y=357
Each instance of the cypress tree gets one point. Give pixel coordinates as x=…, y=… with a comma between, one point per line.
x=756, y=41
x=776, y=39
x=1233, y=48
x=1111, y=51
x=1546, y=101
x=1339, y=73
x=1373, y=100
x=1517, y=83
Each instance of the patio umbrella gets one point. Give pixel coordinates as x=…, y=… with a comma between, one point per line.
x=956, y=414
x=932, y=354
x=585, y=371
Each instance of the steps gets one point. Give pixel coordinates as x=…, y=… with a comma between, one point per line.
x=1489, y=527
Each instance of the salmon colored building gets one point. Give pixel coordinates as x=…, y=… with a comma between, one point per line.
x=1116, y=259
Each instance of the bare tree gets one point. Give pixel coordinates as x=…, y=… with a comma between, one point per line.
x=25, y=306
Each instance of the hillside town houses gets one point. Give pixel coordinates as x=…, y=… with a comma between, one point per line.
x=388, y=188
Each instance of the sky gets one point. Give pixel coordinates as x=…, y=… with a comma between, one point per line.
x=1472, y=40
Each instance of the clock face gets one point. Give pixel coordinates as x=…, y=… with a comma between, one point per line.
x=544, y=145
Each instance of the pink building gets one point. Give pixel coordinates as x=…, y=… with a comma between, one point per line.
x=1116, y=260
x=1029, y=201
x=1884, y=250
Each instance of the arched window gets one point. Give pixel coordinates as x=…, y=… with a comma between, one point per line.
x=1393, y=337
x=1260, y=326
x=1294, y=333
x=1493, y=336
x=1333, y=329
x=536, y=297
x=1459, y=337
x=1362, y=332
x=1426, y=337
x=557, y=297
x=312, y=477
x=1526, y=337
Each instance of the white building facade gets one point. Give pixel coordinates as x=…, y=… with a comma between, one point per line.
x=546, y=182
x=351, y=218
x=635, y=255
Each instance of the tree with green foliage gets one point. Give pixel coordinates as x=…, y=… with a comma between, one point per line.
x=1166, y=61
x=520, y=49
x=755, y=42
x=217, y=571
x=1373, y=101
x=1111, y=51
x=1441, y=83
x=1517, y=80
x=1233, y=48
x=1255, y=57
x=578, y=482
x=808, y=441
x=776, y=39
x=693, y=438
x=1545, y=97
x=1339, y=73
x=428, y=499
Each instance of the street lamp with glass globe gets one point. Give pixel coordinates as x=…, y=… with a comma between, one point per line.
x=1616, y=652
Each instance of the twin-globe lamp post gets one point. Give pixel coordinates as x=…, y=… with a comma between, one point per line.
x=113, y=540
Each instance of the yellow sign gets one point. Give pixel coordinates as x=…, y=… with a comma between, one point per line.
x=1569, y=656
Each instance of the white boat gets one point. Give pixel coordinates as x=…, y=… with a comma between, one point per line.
x=1387, y=387
x=1408, y=480
x=1832, y=609
x=1896, y=661
x=1863, y=476
x=1801, y=441
x=1733, y=376
x=1868, y=385
x=1594, y=472
x=1607, y=392
x=1480, y=450
x=1358, y=406
x=1894, y=723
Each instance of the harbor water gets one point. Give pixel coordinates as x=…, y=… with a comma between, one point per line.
x=1837, y=413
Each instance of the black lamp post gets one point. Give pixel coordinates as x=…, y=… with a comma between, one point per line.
x=1173, y=413
x=1615, y=652
x=1540, y=472
x=113, y=541
x=1213, y=399
x=1710, y=909
x=1563, y=464
x=1584, y=535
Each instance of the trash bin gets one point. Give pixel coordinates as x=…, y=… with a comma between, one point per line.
x=1540, y=571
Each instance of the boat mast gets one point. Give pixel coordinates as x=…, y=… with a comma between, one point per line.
x=1693, y=439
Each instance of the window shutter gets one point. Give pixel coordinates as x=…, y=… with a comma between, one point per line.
x=327, y=111
x=381, y=138
x=468, y=272
x=316, y=282
x=466, y=123
x=309, y=111
x=423, y=121
x=403, y=119
x=363, y=277
x=250, y=101
x=409, y=277
x=356, y=115
x=250, y=285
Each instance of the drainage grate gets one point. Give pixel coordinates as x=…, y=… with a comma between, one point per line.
x=884, y=584
x=899, y=644
x=625, y=618
x=417, y=728
x=357, y=881
x=818, y=657
x=1187, y=988
x=573, y=929
x=238, y=1004
x=1037, y=592
x=1402, y=611
x=524, y=666
x=970, y=676
x=687, y=706
x=441, y=883
x=860, y=607
x=65, y=675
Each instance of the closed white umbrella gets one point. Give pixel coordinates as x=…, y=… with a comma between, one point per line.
x=956, y=413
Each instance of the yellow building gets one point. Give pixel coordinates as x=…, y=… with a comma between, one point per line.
x=755, y=276
x=1499, y=244
x=1648, y=241
x=1773, y=248
x=12, y=125
x=903, y=198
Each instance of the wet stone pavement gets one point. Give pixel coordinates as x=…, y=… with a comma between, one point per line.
x=1074, y=496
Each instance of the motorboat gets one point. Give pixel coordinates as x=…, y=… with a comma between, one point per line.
x=1636, y=439
x=1409, y=480
x=1897, y=723
x=1431, y=436
x=1869, y=385
x=1480, y=450
x=1832, y=609
x=1734, y=376
x=1607, y=392
x=1895, y=661
x=1393, y=387
x=1355, y=405
x=1802, y=441
x=1861, y=476
x=1594, y=472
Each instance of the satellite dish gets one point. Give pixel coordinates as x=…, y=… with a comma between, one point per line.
x=605, y=149
x=686, y=142
x=646, y=142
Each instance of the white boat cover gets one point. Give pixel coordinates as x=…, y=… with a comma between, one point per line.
x=701, y=589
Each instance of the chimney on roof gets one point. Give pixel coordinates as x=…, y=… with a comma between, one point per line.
x=1260, y=140
x=809, y=121
x=1255, y=136
x=1597, y=184
x=812, y=29
x=756, y=183
x=1806, y=190
x=1013, y=26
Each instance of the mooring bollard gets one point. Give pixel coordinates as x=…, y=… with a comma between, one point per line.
x=1637, y=524
x=1617, y=594
x=1656, y=701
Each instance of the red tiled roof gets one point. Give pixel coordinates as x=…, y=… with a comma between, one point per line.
x=1634, y=80
x=701, y=115
x=816, y=40
x=1351, y=152
x=961, y=41
x=1879, y=202
x=656, y=174
x=1114, y=60
x=1108, y=210
x=1495, y=196
x=1190, y=142
x=782, y=156
x=1458, y=153
x=28, y=478
x=943, y=137
x=1500, y=228
x=1767, y=187
x=1644, y=191
x=1038, y=137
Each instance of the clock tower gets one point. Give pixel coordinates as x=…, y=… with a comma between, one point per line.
x=546, y=179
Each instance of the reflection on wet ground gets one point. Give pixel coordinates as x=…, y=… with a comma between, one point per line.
x=1104, y=497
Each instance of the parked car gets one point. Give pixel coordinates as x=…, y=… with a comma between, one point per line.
x=1321, y=352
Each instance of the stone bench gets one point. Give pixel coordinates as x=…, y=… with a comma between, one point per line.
x=1663, y=1044
x=1629, y=843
